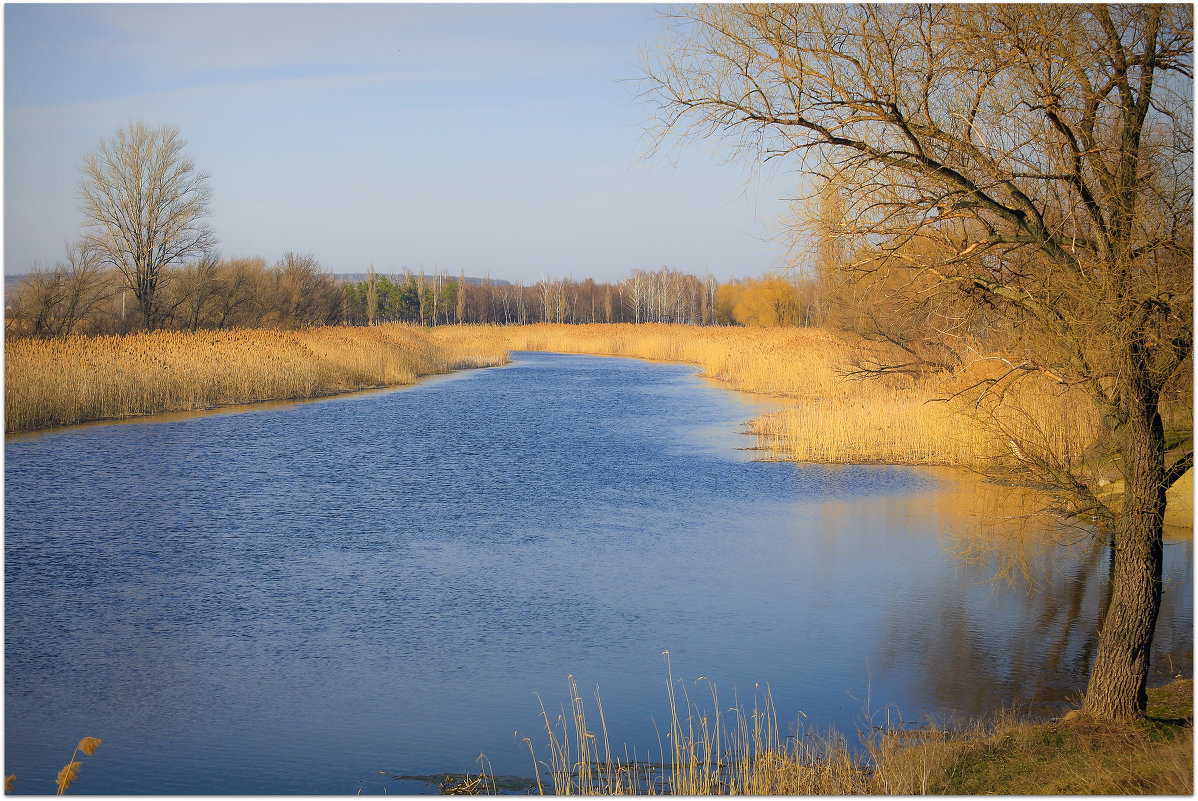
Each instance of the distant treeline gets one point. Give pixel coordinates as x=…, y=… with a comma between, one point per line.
x=77, y=295
x=665, y=296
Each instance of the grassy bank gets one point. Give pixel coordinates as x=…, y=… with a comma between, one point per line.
x=54, y=382
x=738, y=752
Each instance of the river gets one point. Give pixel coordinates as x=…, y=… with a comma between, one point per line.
x=324, y=597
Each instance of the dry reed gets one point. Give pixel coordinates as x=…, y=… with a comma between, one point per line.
x=70, y=771
x=707, y=754
x=739, y=752
x=53, y=382
x=826, y=416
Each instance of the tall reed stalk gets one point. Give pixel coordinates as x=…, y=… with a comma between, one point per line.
x=70, y=771
x=706, y=753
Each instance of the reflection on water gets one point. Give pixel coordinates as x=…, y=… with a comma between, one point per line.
x=1037, y=645
x=297, y=599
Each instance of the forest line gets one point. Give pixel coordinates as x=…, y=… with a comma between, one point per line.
x=77, y=296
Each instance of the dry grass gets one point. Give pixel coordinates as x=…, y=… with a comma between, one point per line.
x=746, y=753
x=1180, y=508
x=714, y=752
x=791, y=363
x=70, y=771
x=1072, y=756
x=63, y=381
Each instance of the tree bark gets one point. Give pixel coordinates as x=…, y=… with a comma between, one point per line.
x=1117, y=687
x=146, y=301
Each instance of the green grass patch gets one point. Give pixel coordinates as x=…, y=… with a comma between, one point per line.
x=1172, y=703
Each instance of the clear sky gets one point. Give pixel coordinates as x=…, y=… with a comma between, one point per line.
x=492, y=138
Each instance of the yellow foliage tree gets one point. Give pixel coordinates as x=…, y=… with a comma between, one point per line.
x=763, y=302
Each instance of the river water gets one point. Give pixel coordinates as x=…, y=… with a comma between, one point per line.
x=325, y=597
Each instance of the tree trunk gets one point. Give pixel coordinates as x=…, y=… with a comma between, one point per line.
x=146, y=301
x=1120, y=674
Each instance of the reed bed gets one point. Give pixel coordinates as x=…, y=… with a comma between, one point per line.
x=54, y=382
x=825, y=415
x=787, y=362
x=828, y=415
x=713, y=750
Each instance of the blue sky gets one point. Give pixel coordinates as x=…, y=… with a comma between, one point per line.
x=493, y=138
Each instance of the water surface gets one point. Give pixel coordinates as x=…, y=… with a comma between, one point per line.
x=319, y=597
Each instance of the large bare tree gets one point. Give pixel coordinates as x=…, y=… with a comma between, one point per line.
x=143, y=203
x=1034, y=160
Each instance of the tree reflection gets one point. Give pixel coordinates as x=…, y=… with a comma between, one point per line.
x=1021, y=626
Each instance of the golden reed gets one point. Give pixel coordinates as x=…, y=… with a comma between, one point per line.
x=54, y=382
x=824, y=415
x=709, y=748
x=70, y=771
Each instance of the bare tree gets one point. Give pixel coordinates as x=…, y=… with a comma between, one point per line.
x=420, y=294
x=436, y=292
x=304, y=294
x=143, y=203
x=1035, y=160
x=62, y=299
x=485, y=299
x=194, y=290
x=239, y=287
x=505, y=298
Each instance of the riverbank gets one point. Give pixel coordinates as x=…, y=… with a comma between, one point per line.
x=54, y=382
x=826, y=416
x=1073, y=756
x=829, y=416
x=57, y=382
x=739, y=753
